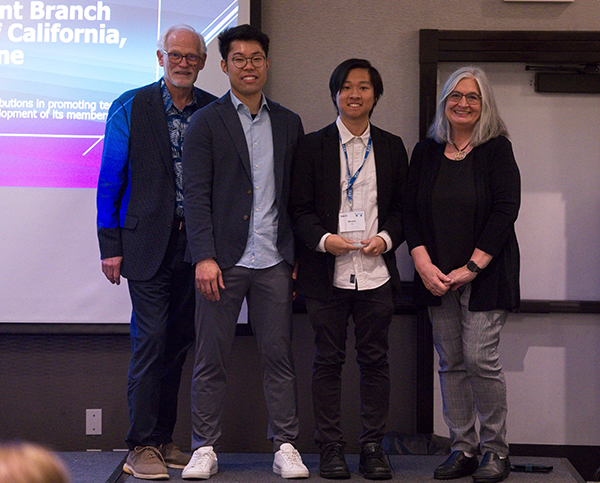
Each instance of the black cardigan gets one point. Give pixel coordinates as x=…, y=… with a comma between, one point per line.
x=498, y=190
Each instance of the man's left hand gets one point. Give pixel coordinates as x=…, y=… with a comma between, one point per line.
x=373, y=247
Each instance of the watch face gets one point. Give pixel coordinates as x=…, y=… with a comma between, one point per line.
x=471, y=265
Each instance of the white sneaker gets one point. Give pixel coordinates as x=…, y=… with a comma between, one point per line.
x=288, y=463
x=202, y=465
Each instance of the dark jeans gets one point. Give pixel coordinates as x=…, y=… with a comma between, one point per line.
x=372, y=312
x=162, y=331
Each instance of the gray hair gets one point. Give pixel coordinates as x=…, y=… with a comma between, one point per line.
x=162, y=40
x=488, y=126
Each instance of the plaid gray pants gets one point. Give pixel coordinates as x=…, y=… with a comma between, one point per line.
x=471, y=377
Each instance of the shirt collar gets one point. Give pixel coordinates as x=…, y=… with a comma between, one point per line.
x=166, y=96
x=240, y=105
x=346, y=136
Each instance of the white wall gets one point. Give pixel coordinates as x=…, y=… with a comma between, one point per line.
x=551, y=361
x=552, y=369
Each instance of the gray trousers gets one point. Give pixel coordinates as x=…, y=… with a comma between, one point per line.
x=471, y=377
x=269, y=296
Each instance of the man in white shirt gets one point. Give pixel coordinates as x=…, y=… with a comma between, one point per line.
x=347, y=187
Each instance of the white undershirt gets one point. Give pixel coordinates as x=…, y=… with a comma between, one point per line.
x=356, y=270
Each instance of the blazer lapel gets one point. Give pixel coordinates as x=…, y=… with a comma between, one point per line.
x=331, y=175
x=383, y=168
x=232, y=123
x=279, y=129
x=158, y=121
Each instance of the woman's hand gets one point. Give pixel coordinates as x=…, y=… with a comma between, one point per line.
x=460, y=276
x=433, y=278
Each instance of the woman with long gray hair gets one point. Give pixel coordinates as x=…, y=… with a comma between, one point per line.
x=462, y=200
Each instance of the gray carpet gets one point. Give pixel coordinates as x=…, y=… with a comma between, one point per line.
x=94, y=466
x=257, y=468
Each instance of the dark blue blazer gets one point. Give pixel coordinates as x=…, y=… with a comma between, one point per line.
x=136, y=187
x=315, y=203
x=217, y=180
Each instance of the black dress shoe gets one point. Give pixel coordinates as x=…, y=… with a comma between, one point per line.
x=333, y=463
x=372, y=464
x=456, y=466
x=492, y=469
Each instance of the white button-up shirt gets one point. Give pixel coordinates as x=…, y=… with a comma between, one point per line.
x=355, y=270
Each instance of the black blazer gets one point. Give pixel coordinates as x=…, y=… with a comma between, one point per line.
x=217, y=181
x=315, y=203
x=143, y=188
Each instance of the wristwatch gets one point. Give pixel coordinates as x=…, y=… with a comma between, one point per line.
x=473, y=267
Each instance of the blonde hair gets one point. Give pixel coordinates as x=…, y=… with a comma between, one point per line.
x=30, y=463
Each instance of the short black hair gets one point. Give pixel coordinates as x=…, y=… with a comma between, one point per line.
x=243, y=32
x=340, y=74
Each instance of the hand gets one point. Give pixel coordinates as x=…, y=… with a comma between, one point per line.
x=338, y=245
x=460, y=276
x=111, y=268
x=434, y=279
x=209, y=279
x=373, y=247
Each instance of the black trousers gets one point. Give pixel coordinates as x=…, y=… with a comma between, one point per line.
x=162, y=331
x=372, y=312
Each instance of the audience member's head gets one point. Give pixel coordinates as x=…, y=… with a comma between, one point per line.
x=30, y=463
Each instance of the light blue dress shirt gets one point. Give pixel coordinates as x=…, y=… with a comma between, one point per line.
x=261, y=248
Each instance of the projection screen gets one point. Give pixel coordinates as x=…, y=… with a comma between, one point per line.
x=61, y=67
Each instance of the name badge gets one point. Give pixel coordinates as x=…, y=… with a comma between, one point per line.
x=352, y=221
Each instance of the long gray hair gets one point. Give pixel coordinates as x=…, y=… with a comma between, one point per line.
x=488, y=126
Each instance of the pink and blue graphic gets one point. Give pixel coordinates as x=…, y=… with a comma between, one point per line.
x=62, y=66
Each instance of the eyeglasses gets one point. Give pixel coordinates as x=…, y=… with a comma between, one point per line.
x=257, y=60
x=176, y=58
x=472, y=98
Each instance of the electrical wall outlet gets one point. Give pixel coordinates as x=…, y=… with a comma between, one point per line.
x=93, y=421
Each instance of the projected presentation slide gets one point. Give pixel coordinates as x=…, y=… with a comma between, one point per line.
x=62, y=64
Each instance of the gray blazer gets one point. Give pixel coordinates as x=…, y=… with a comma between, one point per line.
x=217, y=180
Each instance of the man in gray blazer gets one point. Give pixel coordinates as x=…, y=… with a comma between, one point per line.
x=141, y=230
x=236, y=168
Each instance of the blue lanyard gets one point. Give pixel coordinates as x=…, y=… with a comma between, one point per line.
x=352, y=179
